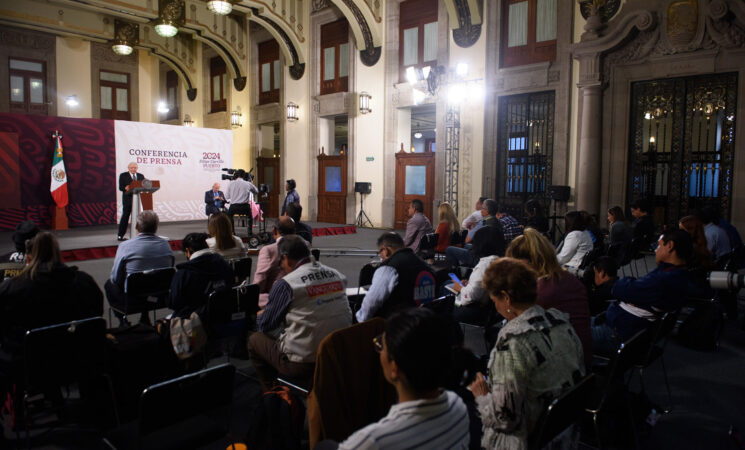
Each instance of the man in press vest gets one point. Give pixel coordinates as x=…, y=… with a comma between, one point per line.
x=304, y=307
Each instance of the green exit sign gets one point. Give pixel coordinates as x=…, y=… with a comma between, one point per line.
x=370, y=158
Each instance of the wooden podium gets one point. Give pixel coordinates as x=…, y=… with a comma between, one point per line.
x=142, y=199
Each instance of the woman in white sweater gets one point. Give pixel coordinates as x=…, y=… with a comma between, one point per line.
x=223, y=241
x=576, y=244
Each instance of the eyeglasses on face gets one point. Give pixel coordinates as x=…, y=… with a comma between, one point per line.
x=378, y=343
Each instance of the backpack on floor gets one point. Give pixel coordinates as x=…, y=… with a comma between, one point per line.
x=703, y=327
x=279, y=421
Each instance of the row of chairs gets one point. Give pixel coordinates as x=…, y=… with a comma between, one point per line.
x=153, y=286
x=76, y=351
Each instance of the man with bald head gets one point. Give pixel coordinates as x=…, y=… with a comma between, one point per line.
x=268, y=269
x=125, y=179
x=214, y=200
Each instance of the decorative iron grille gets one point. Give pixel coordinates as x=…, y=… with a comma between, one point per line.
x=525, y=149
x=682, y=144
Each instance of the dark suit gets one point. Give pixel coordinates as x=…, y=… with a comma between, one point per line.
x=209, y=202
x=125, y=178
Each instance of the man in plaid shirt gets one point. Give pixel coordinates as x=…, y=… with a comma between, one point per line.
x=510, y=225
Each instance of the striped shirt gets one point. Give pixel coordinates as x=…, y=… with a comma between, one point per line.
x=438, y=423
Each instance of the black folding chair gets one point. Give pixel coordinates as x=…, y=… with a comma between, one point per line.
x=659, y=333
x=241, y=269
x=427, y=245
x=70, y=354
x=563, y=412
x=613, y=382
x=229, y=311
x=140, y=287
x=442, y=305
x=185, y=412
x=363, y=281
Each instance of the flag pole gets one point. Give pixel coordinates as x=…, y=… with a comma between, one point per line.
x=58, y=186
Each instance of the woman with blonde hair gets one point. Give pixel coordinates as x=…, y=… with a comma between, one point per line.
x=448, y=224
x=223, y=241
x=557, y=288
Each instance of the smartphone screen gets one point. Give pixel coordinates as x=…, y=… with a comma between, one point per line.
x=455, y=278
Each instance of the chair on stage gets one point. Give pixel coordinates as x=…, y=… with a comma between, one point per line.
x=140, y=287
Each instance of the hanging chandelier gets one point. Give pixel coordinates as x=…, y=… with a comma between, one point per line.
x=170, y=17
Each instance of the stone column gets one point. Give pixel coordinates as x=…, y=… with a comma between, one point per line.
x=588, y=158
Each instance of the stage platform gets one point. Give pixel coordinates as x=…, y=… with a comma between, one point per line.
x=81, y=244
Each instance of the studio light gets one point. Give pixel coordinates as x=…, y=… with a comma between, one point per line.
x=461, y=69
x=411, y=75
x=163, y=107
x=292, y=110
x=220, y=7
x=456, y=92
x=72, y=101
x=365, y=107
x=418, y=96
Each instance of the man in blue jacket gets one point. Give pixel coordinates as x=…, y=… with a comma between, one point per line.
x=640, y=302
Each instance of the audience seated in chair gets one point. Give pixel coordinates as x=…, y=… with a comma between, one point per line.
x=448, y=224
x=475, y=217
x=302, y=229
x=13, y=263
x=576, y=244
x=222, y=240
x=717, y=239
x=145, y=251
x=604, y=275
x=203, y=272
x=557, y=288
x=510, y=226
x=417, y=226
x=457, y=256
x=536, y=357
x=304, y=307
x=415, y=355
x=642, y=301
x=472, y=303
x=268, y=268
x=46, y=292
x=642, y=229
x=402, y=280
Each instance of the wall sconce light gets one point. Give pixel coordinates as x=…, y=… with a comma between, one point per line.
x=126, y=35
x=292, y=112
x=235, y=118
x=72, y=101
x=170, y=16
x=220, y=7
x=365, y=107
x=187, y=121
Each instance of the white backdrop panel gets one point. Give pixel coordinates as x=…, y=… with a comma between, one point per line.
x=186, y=161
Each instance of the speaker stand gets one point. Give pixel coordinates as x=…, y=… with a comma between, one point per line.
x=362, y=220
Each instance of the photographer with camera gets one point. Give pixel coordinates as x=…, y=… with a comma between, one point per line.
x=239, y=195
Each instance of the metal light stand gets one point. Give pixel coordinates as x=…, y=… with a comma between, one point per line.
x=452, y=158
x=554, y=227
x=362, y=220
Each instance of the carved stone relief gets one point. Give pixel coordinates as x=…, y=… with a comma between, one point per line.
x=467, y=33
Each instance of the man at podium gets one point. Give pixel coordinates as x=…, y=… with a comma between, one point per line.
x=125, y=178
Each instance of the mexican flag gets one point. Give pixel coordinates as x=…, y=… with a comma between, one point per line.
x=58, y=187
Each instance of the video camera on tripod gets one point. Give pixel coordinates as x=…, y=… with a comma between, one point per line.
x=233, y=174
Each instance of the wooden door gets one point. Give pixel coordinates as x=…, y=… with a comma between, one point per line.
x=332, y=188
x=414, y=180
x=268, y=173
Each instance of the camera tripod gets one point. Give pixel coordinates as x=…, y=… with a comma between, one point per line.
x=555, y=229
x=362, y=220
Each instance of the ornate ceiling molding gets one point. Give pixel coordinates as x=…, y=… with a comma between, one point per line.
x=293, y=57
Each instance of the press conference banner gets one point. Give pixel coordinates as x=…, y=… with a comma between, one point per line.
x=186, y=161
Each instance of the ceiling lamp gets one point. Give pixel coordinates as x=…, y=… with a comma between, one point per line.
x=417, y=135
x=125, y=37
x=170, y=16
x=220, y=7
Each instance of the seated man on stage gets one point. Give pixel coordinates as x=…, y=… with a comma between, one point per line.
x=125, y=178
x=295, y=211
x=143, y=252
x=304, y=307
x=214, y=200
x=239, y=195
x=403, y=280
